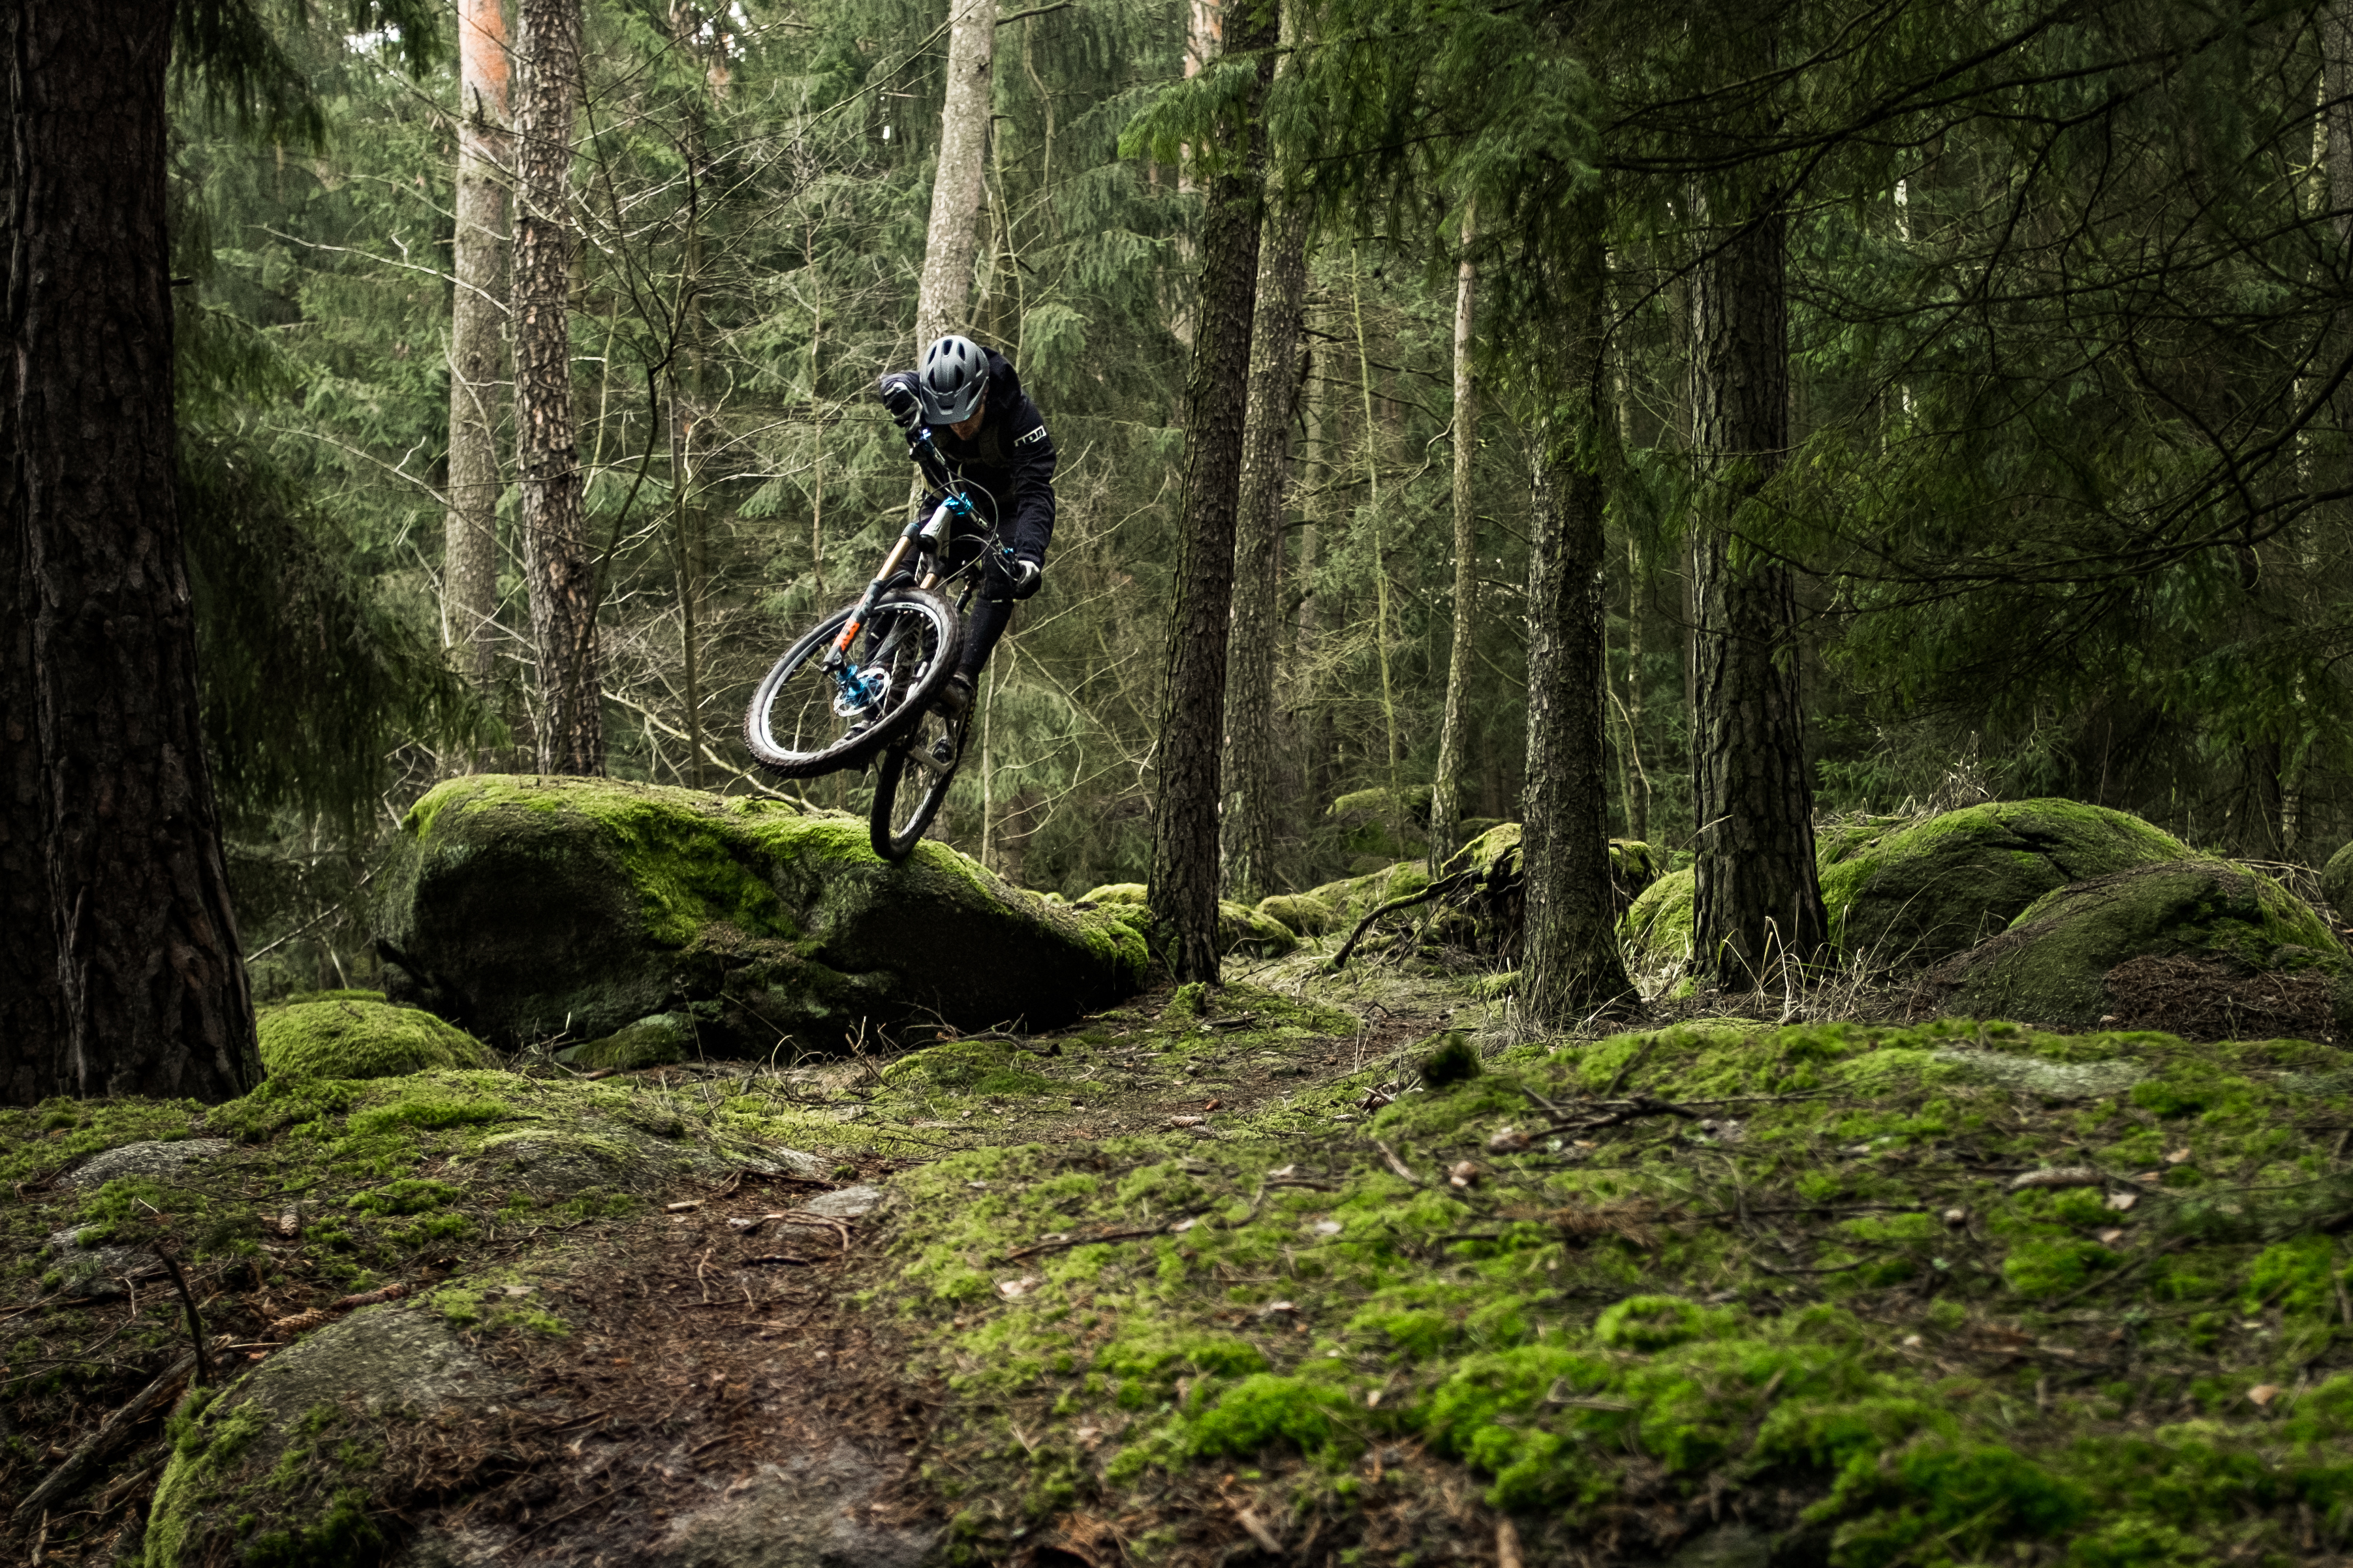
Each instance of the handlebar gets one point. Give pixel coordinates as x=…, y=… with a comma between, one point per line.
x=920, y=448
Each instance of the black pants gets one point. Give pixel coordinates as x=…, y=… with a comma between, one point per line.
x=982, y=627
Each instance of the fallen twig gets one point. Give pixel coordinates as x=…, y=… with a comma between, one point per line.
x=1397, y=1164
x=2111, y=1277
x=1437, y=889
x=196, y=1318
x=1634, y=1110
x=1626, y=1067
x=95, y=1448
x=557, y=1518
x=1057, y=1245
x=1259, y=1533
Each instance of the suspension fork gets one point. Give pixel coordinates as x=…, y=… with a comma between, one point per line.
x=927, y=457
x=838, y=660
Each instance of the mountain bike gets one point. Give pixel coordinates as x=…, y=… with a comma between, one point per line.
x=862, y=684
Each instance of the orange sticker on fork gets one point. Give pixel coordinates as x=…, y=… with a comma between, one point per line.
x=848, y=636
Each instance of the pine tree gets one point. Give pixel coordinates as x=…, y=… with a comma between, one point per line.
x=1184, y=879
x=470, y=552
x=1759, y=901
x=124, y=973
x=956, y=187
x=1569, y=962
x=563, y=578
x=1253, y=775
x=1446, y=783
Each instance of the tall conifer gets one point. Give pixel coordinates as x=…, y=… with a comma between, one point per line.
x=1184, y=879
x=477, y=312
x=562, y=579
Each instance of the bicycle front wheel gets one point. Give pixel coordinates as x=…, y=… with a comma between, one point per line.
x=910, y=784
x=806, y=719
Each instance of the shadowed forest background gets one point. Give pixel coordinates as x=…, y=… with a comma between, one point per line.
x=2063, y=505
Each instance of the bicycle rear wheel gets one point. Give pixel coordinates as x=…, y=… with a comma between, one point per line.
x=806, y=719
x=910, y=784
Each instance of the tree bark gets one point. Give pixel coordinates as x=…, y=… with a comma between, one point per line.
x=1184, y=882
x=1253, y=782
x=555, y=530
x=469, y=539
x=1758, y=900
x=1446, y=784
x=956, y=187
x=1569, y=962
x=112, y=822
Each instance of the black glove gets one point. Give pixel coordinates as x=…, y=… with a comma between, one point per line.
x=898, y=394
x=1010, y=576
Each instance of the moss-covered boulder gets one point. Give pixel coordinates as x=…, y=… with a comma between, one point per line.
x=2068, y=958
x=649, y=1042
x=1351, y=897
x=1243, y=930
x=1257, y=933
x=1656, y=929
x=249, y=1479
x=532, y=908
x=2337, y=884
x=346, y=1037
x=1912, y=895
x=1302, y=914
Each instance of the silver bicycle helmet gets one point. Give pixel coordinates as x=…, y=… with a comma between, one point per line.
x=954, y=375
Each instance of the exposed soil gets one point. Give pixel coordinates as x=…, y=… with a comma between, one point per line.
x=698, y=1354
x=2206, y=999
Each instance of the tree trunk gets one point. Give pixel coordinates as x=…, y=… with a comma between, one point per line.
x=556, y=529
x=1446, y=784
x=1307, y=713
x=1184, y=884
x=1569, y=962
x=470, y=538
x=956, y=188
x=111, y=815
x=1759, y=900
x=1252, y=775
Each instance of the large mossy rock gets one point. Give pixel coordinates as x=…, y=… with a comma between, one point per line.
x=1488, y=906
x=1656, y=929
x=530, y=908
x=2085, y=953
x=352, y=1038
x=1913, y=895
x=1241, y=929
x=2337, y=884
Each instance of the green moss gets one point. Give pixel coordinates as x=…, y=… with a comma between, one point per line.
x=1241, y=928
x=1575, y=1327
x=1115, y=893
x=1916, y=894
x=2051, y=964
x=1356, y=897
x=1454, y=1059
x=649, y=1042
x=1302, y=914
x=578, y=907
x=359, y=1040
x=1657, y=927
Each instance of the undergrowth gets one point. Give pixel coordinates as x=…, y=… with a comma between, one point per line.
x=1713, y=1272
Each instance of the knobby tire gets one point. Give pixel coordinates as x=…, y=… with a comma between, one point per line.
x=820, y=742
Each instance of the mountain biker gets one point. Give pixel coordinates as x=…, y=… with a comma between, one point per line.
x=995, y=441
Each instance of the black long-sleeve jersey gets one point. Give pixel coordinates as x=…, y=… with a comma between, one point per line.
x=1011, y=456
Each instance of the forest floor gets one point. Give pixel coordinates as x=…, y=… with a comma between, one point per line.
x=1261, y=1273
